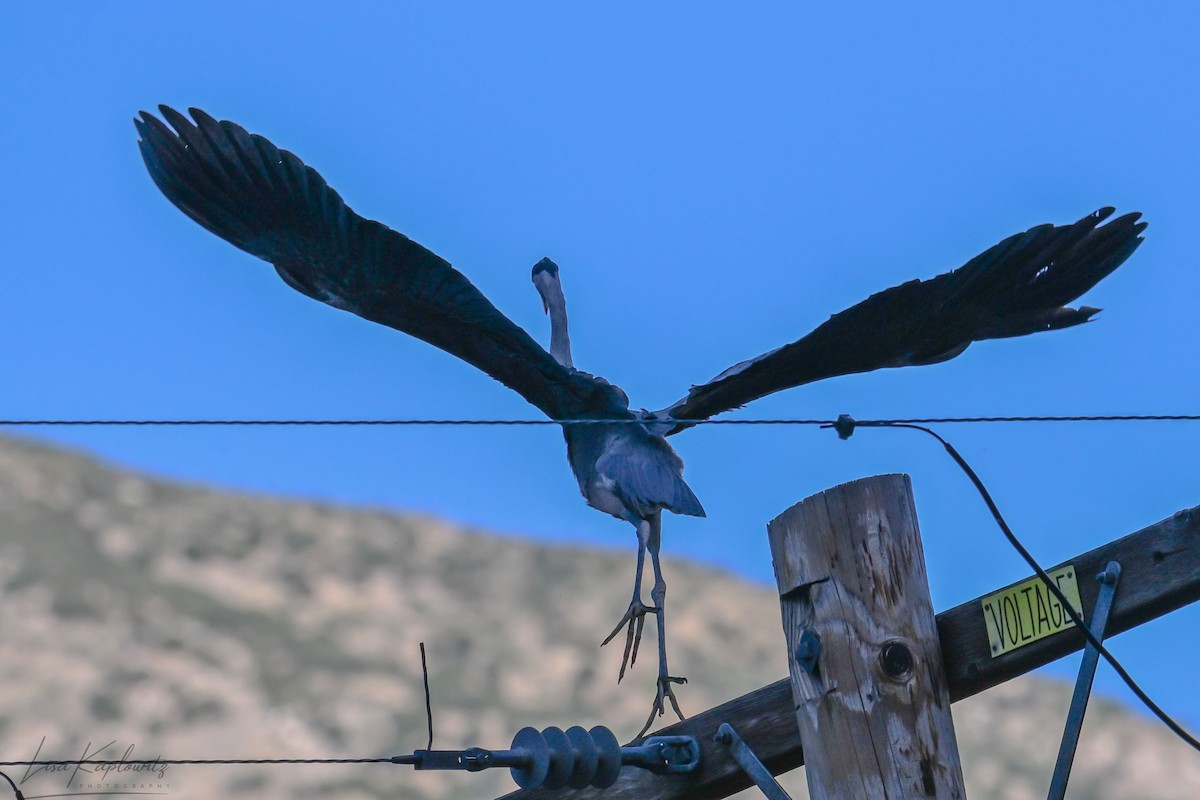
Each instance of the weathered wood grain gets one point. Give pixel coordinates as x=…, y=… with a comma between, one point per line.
x=873, y=709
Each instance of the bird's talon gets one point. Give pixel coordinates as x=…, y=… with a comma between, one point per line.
x=637, y=640
x=633, y=622
x=664, y=695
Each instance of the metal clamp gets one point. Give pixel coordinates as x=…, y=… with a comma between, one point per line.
x=748, y=761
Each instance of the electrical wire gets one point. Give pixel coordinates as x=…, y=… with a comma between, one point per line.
x=428, y=701
x=269, y=422
x=173, y=762
x=16, y=789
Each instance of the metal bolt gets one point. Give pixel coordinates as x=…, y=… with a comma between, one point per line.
x=1110, y=574
x=808, y=652
x=897, y=660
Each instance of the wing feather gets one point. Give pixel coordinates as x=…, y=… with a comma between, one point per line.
x=267, y=202
x=1019, y=286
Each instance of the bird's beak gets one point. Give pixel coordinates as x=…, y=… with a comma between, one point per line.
x=545, y=306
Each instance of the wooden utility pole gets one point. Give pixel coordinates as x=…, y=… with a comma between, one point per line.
x=866, y=668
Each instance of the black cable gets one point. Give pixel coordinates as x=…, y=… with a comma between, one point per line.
x=1140, y=693
x=273, y=422
x=428, y=702
x=174, y=762
x=633, y=421
x=12, y=783
x=1046, y=418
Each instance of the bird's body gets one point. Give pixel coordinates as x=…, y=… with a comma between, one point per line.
x=628, y=472
x=270, y=204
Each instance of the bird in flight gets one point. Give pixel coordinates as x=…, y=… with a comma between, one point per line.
x=267, y=202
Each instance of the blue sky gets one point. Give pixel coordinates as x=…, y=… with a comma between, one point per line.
x=714, y=181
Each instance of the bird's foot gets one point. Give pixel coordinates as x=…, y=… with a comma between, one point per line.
x=659, y=708
x=633, y=621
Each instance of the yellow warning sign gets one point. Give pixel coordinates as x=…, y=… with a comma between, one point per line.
x=1027, y=611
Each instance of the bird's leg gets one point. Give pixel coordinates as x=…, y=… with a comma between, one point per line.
x=659, y=595
x=635, y=617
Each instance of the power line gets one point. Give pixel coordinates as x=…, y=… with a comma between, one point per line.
x=171, y=762
x=432, y=422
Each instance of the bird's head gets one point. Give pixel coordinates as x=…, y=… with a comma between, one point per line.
x=545, y=278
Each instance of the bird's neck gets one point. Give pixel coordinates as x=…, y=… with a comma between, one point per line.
x=560, y=340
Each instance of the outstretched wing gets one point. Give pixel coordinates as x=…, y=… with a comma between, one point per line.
x=270, y=204
x=1020, y=286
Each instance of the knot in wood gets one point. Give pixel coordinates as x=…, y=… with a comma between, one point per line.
x=897, y=660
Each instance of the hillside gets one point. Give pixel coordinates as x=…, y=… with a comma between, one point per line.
x=188, y=622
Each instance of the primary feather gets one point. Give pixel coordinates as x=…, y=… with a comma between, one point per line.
x=1019, y=286
x=270, y=204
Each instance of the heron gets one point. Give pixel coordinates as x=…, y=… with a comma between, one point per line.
x=269, y=203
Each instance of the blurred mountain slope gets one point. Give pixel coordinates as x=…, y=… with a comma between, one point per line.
x=188, y=622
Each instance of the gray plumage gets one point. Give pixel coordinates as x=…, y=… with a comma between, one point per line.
x=267, y=202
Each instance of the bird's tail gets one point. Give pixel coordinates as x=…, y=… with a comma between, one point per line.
x=684, y=500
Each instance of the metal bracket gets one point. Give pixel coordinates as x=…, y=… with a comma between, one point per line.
x=664, y=755
x=749, y=763
x=1083, y=684
x=553, y=758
